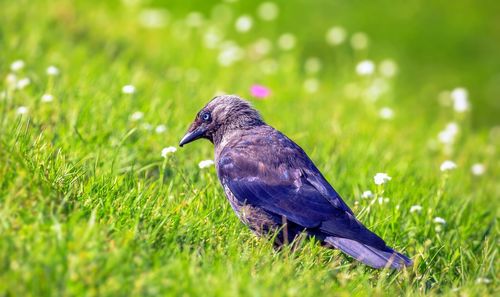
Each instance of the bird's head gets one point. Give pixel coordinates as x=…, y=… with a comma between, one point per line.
x=220, y=115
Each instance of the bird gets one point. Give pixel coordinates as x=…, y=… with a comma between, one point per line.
x=275, y=188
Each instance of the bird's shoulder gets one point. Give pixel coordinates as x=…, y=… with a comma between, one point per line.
x=263, y=145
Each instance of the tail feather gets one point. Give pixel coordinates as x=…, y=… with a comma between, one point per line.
x=369, y=255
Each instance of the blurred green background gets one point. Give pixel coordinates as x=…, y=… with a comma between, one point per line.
x=438, y=45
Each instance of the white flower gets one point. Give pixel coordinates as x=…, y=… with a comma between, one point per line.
x=359, y=41
x=452, y=127
x=11, y=80
x=415, y=208
x=365, y=67
x=381, y=178
x=230, y=53
x=153, y=18
x=128, y=89
x=382, y=200
x=336, y=35
x=311, y=85
x=52, y=70
x=447, y=136
x=160, y=129
x=377, y=88
x=168, y=150
x=287, y=41
x=386, y=113
x=194, y=19
x=461, y=105
x=459, y=93
x=312, y=65
x=205, y=163
x=21, y=110
x=367, y=194
x=439, y=220
x=147, y=126
x=17, y=65
x=47, y=98
x=460, y=98
x=136, y=116
x=244, y=23
x=23, y=83
x=448, y=165
x=212, y=38
x=268, y=11
x=388, y=68
x=478, y=169
x=483, y=280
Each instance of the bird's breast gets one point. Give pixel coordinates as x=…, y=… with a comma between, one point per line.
x=258, y=220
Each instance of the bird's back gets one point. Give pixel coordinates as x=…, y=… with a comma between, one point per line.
x=257, y=143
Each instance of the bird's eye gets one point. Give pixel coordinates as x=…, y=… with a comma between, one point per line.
x=206, y=117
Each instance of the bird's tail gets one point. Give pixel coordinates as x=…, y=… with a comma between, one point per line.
x=369, y=255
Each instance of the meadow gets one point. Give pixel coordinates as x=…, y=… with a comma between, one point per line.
x=97, y=199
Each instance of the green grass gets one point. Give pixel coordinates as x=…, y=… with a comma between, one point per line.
x=89, y=207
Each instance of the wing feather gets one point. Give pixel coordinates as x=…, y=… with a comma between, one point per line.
x=286, y=183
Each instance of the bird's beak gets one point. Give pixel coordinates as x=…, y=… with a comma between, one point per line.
x=192, y=135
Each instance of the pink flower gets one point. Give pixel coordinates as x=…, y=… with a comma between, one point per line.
x=259, y=91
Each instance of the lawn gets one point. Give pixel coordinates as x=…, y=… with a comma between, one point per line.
x=91, y=92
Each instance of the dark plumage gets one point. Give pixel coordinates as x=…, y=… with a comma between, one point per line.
x=270, y=181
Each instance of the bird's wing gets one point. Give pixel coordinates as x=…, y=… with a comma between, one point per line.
x=285, y=182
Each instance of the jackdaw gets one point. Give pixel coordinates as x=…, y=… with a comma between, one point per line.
x=274, y=188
